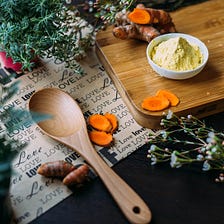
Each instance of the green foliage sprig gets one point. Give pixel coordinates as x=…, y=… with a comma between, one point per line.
x=52, y=28
x=43, y=28
x=187, y=140
x=11, y=119
x=8, y=147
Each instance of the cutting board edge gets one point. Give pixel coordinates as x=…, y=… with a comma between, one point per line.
x=143, y=119
x=148, y=120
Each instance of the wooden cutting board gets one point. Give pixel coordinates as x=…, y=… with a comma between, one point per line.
x=126, y=63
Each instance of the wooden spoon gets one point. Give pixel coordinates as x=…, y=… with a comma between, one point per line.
x=68, y=126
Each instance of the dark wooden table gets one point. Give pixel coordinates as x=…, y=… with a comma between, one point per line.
x=178, y=196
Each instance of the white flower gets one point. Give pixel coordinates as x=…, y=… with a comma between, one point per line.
x=200, y=157
x=211, y=134
x=206, y=166
x=214, y=149
x=174, y=160
x=153, y=160
x=152, y=148
x=189, y=116
x=112, y=8
x=208, y=157
x=164, y=134
x=203, y=149
x=169, y=115
x=211, y=138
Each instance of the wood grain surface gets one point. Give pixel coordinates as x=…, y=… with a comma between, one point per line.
x=126, y=63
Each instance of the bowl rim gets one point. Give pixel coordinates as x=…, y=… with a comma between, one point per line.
x=164, y=37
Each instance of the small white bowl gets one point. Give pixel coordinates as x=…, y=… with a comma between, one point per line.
x=171, y=74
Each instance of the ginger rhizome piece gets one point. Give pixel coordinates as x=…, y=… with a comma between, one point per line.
x=162, y=100
x=77, y=176
x=103, y=128
x=58, y=168
x=142, y=23
x=71, y=174
x=144, y=33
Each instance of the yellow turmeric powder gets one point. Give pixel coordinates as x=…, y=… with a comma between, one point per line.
x=177, y=54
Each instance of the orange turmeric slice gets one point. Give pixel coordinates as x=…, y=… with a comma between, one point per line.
x=101, y=138
x=155, y=103
x=174, y=100
x=100, y=122
x=139, y=16
x=113, y=120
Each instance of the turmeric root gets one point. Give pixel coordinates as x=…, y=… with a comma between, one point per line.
x=101, y=138
x=155, y=103
x=142, y=23
x=173, y=99
x=77, y=176
x=71, y=174
x=166, y=28
x=140, y=32
x=100, y=122
x=55, y=169
x=125, y=32
x=147, y=33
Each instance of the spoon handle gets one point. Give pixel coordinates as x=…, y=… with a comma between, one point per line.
x=132, y=206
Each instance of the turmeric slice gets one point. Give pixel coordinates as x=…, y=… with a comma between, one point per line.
x=139, y=16
x=155, y=103
x=174, y=100
x=144, y=15
x=100, y=122
x=113, y=120
x=157, y=16
x=101, y=138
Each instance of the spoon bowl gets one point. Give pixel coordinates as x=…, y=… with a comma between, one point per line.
x=63, y=110
x=67, y=125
